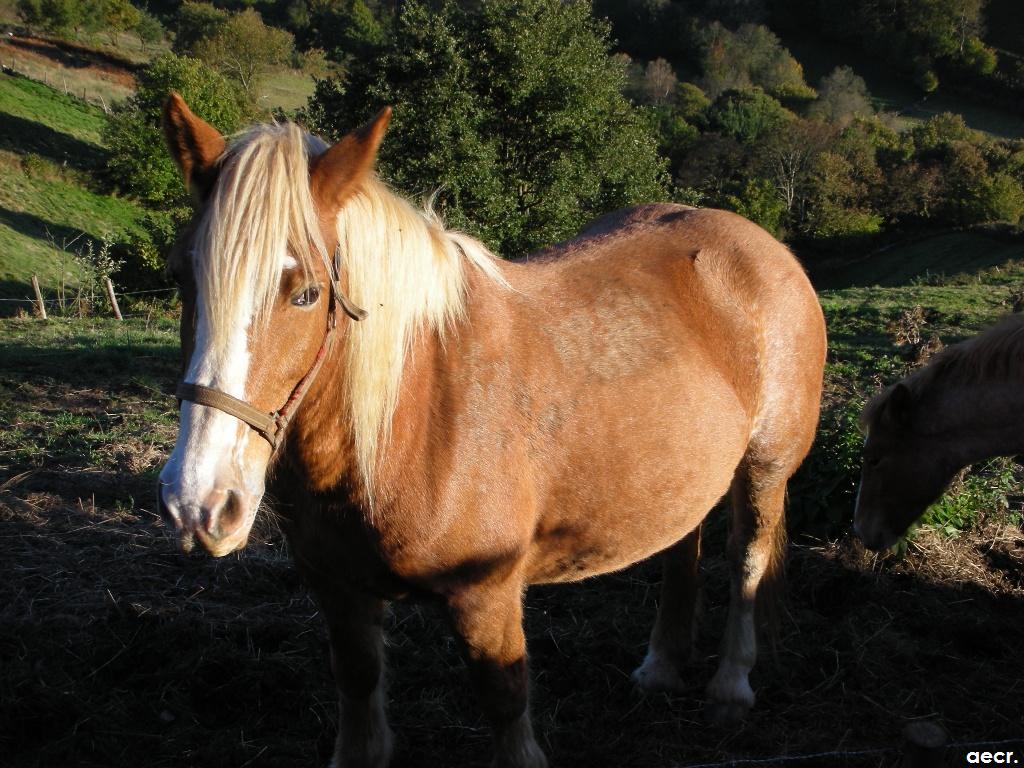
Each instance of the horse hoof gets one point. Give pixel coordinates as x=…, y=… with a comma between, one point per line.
x=726, y=712
x=658, y=674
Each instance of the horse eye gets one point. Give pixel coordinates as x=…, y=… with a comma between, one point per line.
x=307, y=297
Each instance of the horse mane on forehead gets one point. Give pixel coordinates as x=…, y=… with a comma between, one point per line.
x=399, y=262
x=994, y=356
x=260, y=211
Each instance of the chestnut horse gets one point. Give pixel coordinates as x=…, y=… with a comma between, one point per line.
x=482, y=425
x=966, y=405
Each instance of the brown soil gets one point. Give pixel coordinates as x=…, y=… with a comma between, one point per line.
x=102, y=64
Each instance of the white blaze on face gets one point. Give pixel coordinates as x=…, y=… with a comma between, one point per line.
x=212, y=456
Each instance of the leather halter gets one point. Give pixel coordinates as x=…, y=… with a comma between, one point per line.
x=272, y=425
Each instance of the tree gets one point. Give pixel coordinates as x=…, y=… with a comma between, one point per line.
x=842, y=96
x=659, y=83
x=751, y=56
x=691, y=102
x=149, y=29
x=344, y=29
x=139, y=162
x=244, y=49
x=788, y=157
x=31, y=13
x=758, y=202
x=747, y=114
x=118, y=16
x=61, y=16
x=514, y=109
x=196, y=22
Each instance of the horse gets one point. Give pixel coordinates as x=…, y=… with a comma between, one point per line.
x=964, y=406
x=439, y=424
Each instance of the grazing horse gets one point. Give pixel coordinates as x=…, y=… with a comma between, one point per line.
x=966, y=405
x=481, y=425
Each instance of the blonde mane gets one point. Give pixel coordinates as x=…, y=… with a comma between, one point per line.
x=400, y=263
x=259, y=212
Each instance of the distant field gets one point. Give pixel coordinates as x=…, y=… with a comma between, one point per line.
x=289, y=90
x=932, y=259
x=28, y=101
x=98, y=84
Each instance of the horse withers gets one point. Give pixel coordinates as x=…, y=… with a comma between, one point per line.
x=439, y=423
x=966, y=405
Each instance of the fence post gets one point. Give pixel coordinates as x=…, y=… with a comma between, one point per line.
x=924, y=745
x=39, y=297
x=113, y=297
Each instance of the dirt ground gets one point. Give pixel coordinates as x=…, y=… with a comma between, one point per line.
x=118, y=651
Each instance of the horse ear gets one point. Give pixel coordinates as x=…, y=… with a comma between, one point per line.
x=335, y=174
x=900, y=403
x=195, y=145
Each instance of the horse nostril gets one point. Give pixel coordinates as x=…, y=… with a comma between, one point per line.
x=222, y=512
x=170, y=519
x=210, y=511
x=233, y=512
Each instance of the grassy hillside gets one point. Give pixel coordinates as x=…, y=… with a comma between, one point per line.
x=49, y=147
x=950, y=256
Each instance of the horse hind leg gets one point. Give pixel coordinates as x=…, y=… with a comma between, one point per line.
x=756, y=547
x=671, y=644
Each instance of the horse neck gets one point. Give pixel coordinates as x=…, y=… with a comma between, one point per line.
x=979, y=420
x=322, y=447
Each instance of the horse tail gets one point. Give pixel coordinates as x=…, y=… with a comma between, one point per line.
x=771, y=592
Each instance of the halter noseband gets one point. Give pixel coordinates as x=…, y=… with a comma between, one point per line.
x=271, y=425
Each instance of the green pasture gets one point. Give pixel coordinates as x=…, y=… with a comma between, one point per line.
x=50, y=150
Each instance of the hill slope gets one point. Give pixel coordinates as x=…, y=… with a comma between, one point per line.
x=50, y=147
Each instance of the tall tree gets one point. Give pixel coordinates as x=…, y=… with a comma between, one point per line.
x=512, y=108
x=244, y=49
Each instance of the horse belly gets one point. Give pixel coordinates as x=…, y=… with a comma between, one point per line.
x=613, y=507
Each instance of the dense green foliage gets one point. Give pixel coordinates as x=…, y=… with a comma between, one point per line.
x=512, y=109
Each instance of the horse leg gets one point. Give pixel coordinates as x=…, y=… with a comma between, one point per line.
x=488, y=619
x=671, y=642
x=357, y=659
x=756, y=544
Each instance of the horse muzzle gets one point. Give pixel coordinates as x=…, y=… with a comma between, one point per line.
x=875, y=537
x=221, y=522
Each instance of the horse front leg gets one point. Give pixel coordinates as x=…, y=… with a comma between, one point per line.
x=488, y=620
x=354, y=624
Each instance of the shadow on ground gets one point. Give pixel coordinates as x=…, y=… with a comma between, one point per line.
x=120, y=651
x=23, y=136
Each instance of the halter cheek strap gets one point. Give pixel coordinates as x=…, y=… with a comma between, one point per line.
x=271, y=425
